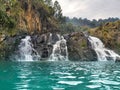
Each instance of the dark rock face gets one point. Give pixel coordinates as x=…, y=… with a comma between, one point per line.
x=9, y=46
x=118, y=59
x=79, y=48
x=44, y=44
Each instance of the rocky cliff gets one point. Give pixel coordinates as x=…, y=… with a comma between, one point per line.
x=19, y=18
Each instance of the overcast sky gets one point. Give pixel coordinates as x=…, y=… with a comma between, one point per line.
x=91, y=9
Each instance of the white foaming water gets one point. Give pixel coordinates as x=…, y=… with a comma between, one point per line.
x=59, y=51
x=103, y=53
x=26, y=50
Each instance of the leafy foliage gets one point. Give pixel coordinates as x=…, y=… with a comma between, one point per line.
x=6, y=21
x=58, y=10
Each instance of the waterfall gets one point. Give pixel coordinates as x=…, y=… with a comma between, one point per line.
x=26, y=50
x=103, y=53
x=59, y=51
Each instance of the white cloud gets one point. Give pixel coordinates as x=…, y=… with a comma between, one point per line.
x=90, y=8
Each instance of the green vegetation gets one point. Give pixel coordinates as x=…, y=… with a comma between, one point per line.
x=15, y=16
x=19, y=17
x=6, y=21
x=58, y=11
x=69, y=28
x=78, y=24
x=109, y=33
x=90, y=23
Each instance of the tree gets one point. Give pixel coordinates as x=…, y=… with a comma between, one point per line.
x=58, y=10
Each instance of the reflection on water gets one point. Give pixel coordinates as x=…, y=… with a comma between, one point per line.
x=59, y=76
x=23, y=74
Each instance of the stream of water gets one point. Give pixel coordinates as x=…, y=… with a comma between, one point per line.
x=103, y=53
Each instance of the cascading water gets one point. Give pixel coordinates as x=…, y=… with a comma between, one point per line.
x=26, y=50
x=59, y=51
x=103, y=53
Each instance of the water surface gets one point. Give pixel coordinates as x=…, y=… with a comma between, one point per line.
x=59, y=75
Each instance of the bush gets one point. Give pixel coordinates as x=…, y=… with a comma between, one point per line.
x=6, y=21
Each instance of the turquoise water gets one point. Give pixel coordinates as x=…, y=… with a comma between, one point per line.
x=59, y=75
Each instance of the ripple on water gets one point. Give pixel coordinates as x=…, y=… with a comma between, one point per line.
x=60, y=73
x=46, y=76
x=68, y=77
x=81, y=77
x=70, y=82
x=93, y=86
x=94, y=75
x=54, y=88
x=106, y=82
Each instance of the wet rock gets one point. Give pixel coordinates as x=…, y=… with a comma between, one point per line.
x=45, y=53
x=79, y=49
x=109, y=58
x=118, y=59
x=43, y=43
x=8, y=46
x=55, y=38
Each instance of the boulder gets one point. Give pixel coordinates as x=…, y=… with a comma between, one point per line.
x=79, y=48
